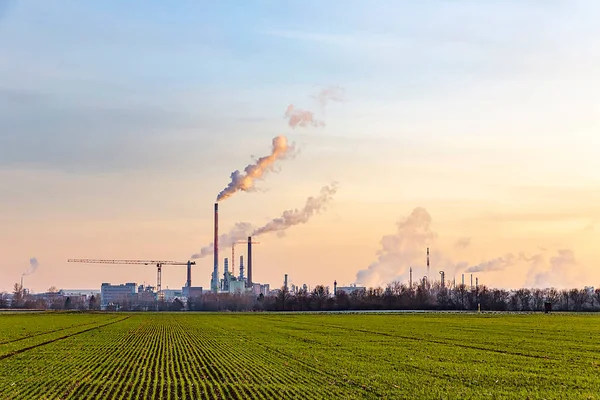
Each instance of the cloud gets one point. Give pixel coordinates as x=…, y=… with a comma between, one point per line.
x=463, y=242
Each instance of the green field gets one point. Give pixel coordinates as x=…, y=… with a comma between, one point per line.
x=256, y=356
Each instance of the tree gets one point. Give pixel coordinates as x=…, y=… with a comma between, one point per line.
x=93, y=303
x=283, y=298
x=597, y=296
x=177, y=305
x=3, y=300
x=319, y=296
x=18, y=299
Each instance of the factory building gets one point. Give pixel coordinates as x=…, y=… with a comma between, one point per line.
x=172, y=294
x=350, y=289
x=237, y=287
x=116, y=294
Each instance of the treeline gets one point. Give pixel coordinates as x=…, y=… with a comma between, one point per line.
x=399, y=296
x=396, y=296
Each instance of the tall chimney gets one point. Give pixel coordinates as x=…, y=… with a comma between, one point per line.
x=214, y=284
x=463, y=279
x=241, y=268
x=335, y=288
x=249, y=283
x=410, y=278
x=188, y=283
x=471, y=281
x=285, y=282
x=476, y=283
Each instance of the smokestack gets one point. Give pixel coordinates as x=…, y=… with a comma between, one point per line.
x=188, y=283
x=471, y=281
x=249, y=283
x=285, y=282
x=410, y=278
x=21, y=281
x=428, y=263
x=476, y=283
x=463, y=279
x=335, y=288
x=215, y=278
x=241, y=268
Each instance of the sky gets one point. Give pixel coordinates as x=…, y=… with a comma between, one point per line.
x=468, y=127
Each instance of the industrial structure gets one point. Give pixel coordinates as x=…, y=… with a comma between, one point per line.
x=187, y=289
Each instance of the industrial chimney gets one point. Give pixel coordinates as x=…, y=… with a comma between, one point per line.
x=188, y=283
x=285, y=282
x=335, y=288
x=241, y=277
x=249, y=283
x=214, y=284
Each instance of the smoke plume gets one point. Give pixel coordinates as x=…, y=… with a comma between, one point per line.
x=33, y=265
x=562, y=270
x=244, y=181
x=240, y=231
x=496, y=264
x=332, y=93
x=401, y=250
x=302, y=118
x=289, y=218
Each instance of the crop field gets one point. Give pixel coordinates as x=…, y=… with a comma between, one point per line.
x=298, y=356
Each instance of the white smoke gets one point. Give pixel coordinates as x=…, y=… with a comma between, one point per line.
x=496, y=264
x=244, y=181
x=289, y=218
x=33, y=266
x=400, y=251
x=562, y=270
x=240, y=231
x=332, y=93
x=301, y=118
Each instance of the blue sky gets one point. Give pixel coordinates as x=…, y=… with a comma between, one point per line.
x=138, y=111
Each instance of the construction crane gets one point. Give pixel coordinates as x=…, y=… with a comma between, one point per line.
x=233, y=253
x=158, y=263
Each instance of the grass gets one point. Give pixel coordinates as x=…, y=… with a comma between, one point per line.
x=258, y=356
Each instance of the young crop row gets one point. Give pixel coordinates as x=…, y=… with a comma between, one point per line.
x=15, y=327
x=270, y=356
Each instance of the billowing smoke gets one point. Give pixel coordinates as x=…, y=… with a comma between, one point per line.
x=244, y=181
x=496, y=264
x=289, y=218
x=302, y=118
x=333, y=93
x=33, y=265
x=240, y=231
x=400, y=251
x=561, y=270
